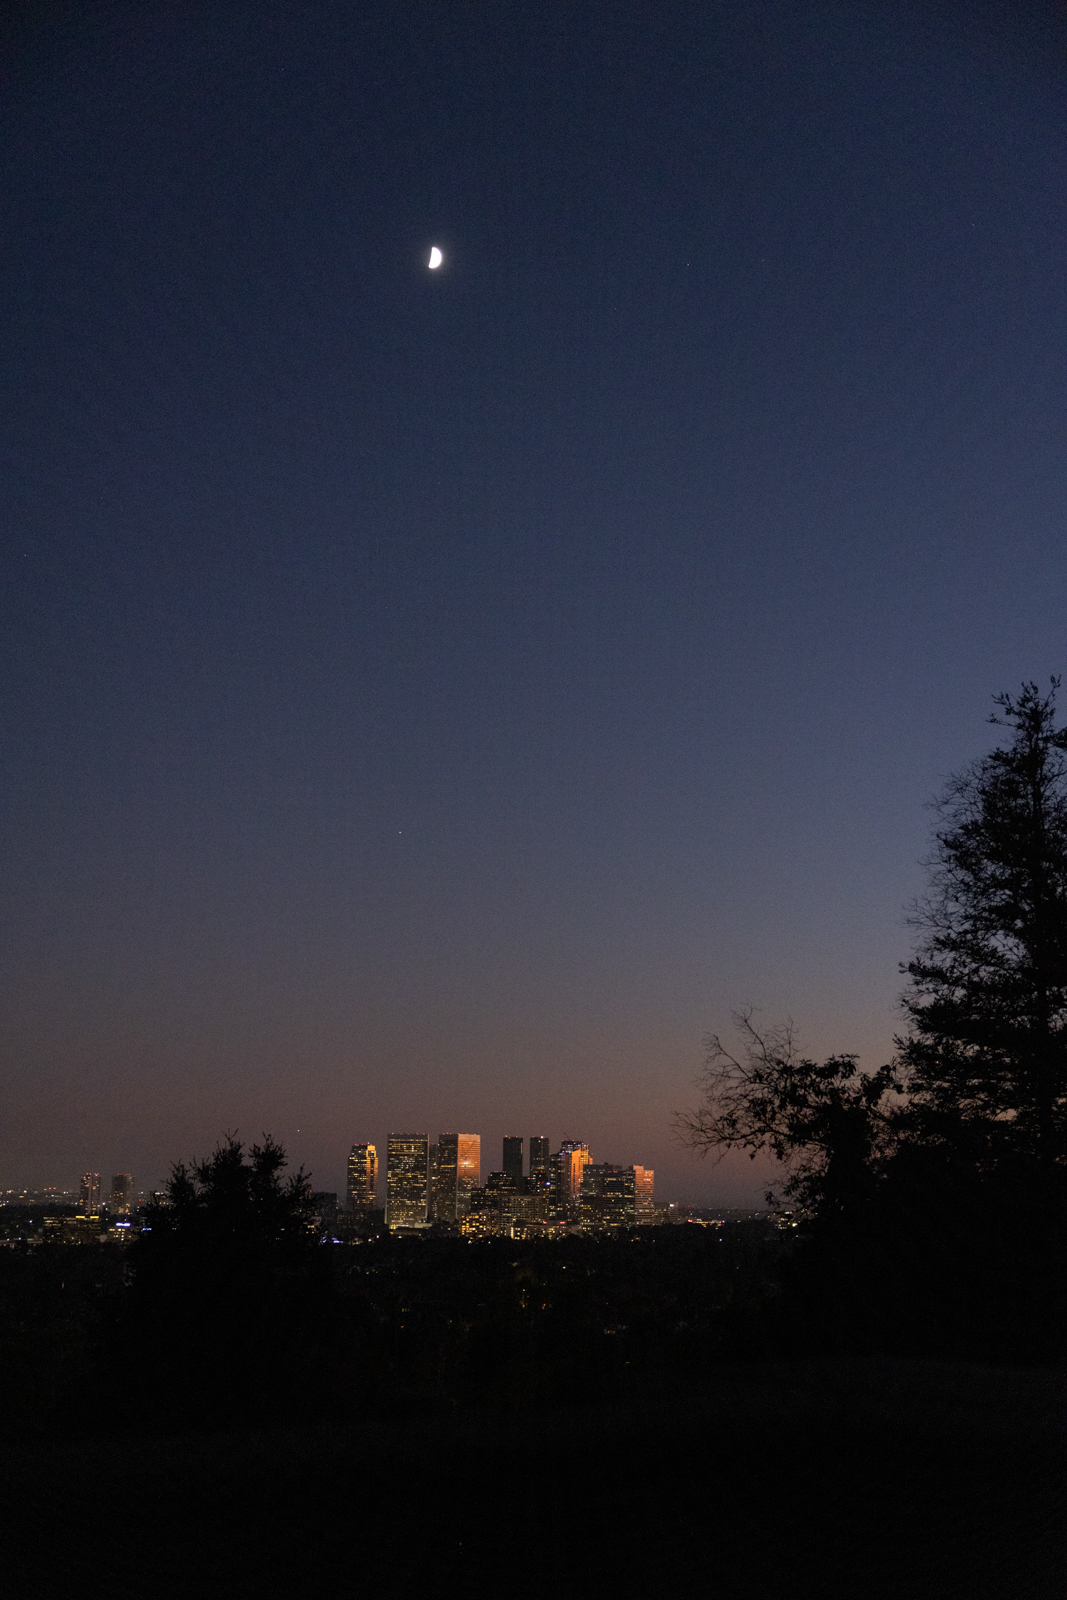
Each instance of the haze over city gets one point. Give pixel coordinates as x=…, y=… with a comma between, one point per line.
x=439, y=698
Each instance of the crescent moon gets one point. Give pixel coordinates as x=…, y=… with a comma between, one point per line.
x=435, y=259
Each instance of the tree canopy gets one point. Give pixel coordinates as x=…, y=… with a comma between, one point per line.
x=980, y=1078
x=228, y=1197
x=985, y=1057
x=226, y=1288
x=828, y=1123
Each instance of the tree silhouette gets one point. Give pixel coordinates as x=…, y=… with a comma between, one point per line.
x=985, y=1059
x=225, y=1288
x=829, y=1124
x=230, y=1205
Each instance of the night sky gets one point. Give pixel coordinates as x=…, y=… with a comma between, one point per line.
x=436, y=700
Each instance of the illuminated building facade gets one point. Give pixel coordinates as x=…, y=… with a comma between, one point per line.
x=457, y=1171
x=362, y=1187
x=608, y=1197
x=572, y=1159
x=645, y=1205
x=89, y=1199
x=502, y=1206
x=122, y=1194
x=537, y=1198
x=407, y=1180
x=482, y=1220
x=468, y=1168
x=70, y=1230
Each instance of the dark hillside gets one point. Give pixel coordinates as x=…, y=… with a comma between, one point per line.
x=873, y=1479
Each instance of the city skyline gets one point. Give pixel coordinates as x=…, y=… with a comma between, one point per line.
x=372, y=1157
x=520, y=518
x=443, y=697
x=439, y=1183
x=426, y=1183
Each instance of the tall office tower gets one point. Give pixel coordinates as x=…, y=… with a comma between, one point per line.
x=433, y=1165
x=513, y=1159
x=362, y=1191
x=406, y=1180
x=541, y=1185
x=90, y=1193
x=644, y=1203
x=538, y=1155
x=552, y=1185
x=459, y=1170
x=122, y=1195
x=445, y=1178
x=468, y=1169
x=573, y=1157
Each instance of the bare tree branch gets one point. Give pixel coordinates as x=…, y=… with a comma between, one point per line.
x=827, y=1123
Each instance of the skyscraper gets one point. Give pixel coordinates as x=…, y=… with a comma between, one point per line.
x=645, y=1204
x=468, y=1169
x=407, y=1180
x=445, y=1178
x=539, y=1155
x=608, y=1198
x=458, y=1171
x=544, y=1173
x=122, y=1195
x=433, y=1169
x=90, y=1193
x=513, y=1159
x=362, y=1191
x=573, y=1157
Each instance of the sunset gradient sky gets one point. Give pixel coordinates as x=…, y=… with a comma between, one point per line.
x=437, y=700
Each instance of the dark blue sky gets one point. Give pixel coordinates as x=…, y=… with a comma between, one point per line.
x=436, y=700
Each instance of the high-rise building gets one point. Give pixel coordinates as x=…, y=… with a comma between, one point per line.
x=459, y=1170
x=500, y=1206
x=90, y=1193
x=543, y=1181
x=122, y=1194
x=362, y=1188
x=482, y=1217
x=572, y=1157
x=609, y=1196
x=645, y=1205
x=433, y=1166
x=539, y=1155
x=407, y=1180
x=513, y=1159
x=445, y=1177
x=468, y=1169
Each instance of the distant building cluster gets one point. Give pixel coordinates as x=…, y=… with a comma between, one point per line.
x=86, y=1215
x=536, y=1193
x=439, y=1185
x=120, y=1200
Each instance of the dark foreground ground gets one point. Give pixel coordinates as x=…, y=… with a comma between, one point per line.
x=867, y=1478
